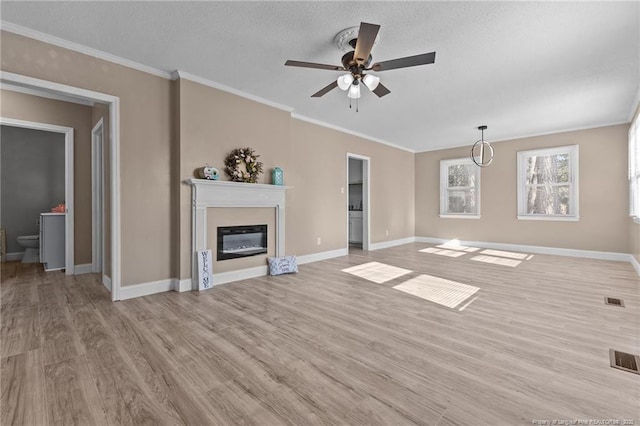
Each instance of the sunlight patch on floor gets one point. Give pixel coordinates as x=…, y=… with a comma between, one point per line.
x=438, y=290
x=453, y=246
x=496, y=260
x=508, y=254
x=377, y=272
x=442, y=252
x=466, y=305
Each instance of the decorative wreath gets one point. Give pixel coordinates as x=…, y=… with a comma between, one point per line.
x=242, y=165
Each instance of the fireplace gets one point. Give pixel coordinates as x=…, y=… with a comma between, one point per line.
x=241, y=241
x=214, y=193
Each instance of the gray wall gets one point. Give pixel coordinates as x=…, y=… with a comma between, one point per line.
x=31, y=179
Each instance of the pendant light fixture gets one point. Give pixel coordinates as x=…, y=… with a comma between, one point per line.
x=482, y=151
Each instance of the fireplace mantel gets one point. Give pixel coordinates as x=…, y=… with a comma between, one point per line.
x=212, y=193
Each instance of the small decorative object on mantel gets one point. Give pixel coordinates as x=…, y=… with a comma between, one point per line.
x=208, y=172
x=242, y=165
x=277, y=176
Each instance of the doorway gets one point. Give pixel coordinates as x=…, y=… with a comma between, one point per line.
x=358, y=169
x=48, y=88
x=69, y=264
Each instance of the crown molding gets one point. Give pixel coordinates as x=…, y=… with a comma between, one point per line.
x=350, y=132
x=209, y=83
x=56, y=41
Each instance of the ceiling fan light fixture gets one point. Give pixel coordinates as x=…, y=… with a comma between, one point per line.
x=354, y=91
x=371, y=81
x=344, y=81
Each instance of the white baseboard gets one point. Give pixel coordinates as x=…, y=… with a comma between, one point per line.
x=589, y=254
x=106, y=281
x=258, y=271
x=261, y=271
x=145, y=289
x=392, y=243
x=182, y=285
x=85, y=268
x=10, y=257
x=316, y=257
x=242, y=274
x=635, y=263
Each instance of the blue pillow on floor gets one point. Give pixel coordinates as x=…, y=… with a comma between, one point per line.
x=282, y=265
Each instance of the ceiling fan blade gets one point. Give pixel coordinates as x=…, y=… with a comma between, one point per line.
x=409, y=61
x=381, y=90
x=314, y=65
x=366, y=36
x=325, y=89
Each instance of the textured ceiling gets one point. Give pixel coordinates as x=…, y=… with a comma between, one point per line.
x=522, y=68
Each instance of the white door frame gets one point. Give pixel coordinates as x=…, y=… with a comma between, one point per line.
x=97, y=197
x=114, y=145
x=366, y=205
x=68, y=180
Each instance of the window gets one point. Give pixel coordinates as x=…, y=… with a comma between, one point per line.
x=548, y=183
x=634, y=169
x=459, y=188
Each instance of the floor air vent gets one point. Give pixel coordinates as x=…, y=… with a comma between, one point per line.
x=624, y=361
x=613, y=301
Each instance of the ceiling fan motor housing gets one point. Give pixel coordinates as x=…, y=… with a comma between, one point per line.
x=351, y=64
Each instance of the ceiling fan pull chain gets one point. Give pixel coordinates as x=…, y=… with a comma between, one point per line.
x=357, y=104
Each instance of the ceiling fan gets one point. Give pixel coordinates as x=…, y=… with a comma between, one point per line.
x=357, y=61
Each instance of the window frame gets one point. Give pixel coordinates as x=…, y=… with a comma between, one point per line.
x=634, y=169
x=444, y=188
x=522, y=192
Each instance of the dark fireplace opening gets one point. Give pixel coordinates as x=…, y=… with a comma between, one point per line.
x=241, y=241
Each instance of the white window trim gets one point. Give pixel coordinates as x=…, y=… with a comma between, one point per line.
x=444, y=179
x=573, y=152
x=634, y=170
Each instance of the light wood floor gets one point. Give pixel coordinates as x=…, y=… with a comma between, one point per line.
x=325, y=347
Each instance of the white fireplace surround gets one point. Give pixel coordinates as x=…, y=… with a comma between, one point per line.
x=213, y=193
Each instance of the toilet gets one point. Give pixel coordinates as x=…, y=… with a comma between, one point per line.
x=31, y=244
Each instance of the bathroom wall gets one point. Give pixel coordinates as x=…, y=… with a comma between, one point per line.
x=32, y=179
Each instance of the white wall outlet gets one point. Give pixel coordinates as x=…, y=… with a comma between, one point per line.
x=386, y=232
x=318, y=241
x=342, y=190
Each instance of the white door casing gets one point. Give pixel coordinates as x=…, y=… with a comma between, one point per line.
x=366, y=204
x=50, y=87
x=97, y=197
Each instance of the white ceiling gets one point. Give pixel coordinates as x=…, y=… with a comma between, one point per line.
x=521, y=68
